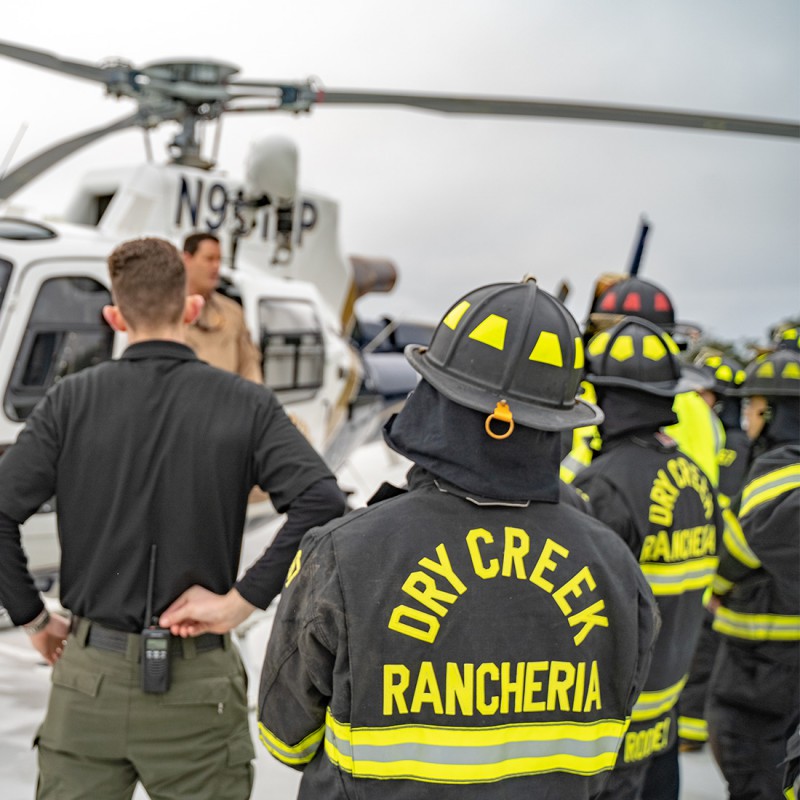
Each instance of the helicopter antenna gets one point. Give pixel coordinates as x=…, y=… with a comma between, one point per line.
x=13, y=149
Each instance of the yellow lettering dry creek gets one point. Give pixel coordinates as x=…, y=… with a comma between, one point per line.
x=436, y=587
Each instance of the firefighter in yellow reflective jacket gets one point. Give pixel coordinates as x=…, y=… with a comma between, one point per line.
x=472, y=638
x=697, y=431
x=755, y=688
x=663, y=507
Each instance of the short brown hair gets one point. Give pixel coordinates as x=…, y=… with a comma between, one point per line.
x=148, y=282
x=193, y=241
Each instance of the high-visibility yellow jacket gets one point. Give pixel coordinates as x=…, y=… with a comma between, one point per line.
x=440, y=646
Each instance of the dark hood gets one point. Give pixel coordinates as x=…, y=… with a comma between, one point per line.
x=629, y=411
x=450, y=441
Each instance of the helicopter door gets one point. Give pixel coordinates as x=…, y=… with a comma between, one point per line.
x=56, y=329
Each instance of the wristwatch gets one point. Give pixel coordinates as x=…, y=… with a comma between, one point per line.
x=38, y=623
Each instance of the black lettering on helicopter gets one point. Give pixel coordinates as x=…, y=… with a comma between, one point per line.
x=217, y=203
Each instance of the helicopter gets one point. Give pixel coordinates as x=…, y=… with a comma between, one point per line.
x=281, y=249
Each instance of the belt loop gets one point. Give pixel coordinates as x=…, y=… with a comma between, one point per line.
x=80, y=629
x=226, y=641
x=189, y=647
x=133, y=647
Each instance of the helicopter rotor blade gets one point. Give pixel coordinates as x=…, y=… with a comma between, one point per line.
x=565, y=110
x=41, y=58
x=35, y=166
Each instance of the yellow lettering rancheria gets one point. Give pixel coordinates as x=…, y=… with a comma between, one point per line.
x=488, y=689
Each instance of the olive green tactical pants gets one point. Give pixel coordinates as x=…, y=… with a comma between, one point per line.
x=102, y=734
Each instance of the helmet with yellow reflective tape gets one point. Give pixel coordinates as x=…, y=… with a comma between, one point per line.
x=787, y=336
x=637, y=354
x=774, y=374
x=513, y=351
x=727, y=373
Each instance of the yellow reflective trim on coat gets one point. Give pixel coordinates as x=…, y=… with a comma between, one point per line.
x=652, y=704
x=454, y=315
x=692, y=728
x=680, y=577
x=768, y=487
x=449, y=754
x=547, y=350
x=734, y=541
x=492, y=331
x=720, y=586
x=300, y=753
x=757, y=627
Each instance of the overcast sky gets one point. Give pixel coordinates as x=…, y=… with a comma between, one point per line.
x=461, y=201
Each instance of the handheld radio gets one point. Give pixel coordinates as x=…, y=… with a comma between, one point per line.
x=155, y=643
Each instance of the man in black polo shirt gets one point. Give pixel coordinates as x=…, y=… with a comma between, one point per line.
x=152, y=454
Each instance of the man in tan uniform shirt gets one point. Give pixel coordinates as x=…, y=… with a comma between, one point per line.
x=219, y=335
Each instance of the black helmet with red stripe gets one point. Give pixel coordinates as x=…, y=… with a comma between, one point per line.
x=635, y=297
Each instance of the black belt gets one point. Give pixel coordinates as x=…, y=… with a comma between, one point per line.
x=117, y=641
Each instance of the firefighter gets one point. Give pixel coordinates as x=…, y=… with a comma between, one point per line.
x=473, y=637
x=663, y=507
x=697, y=431
x=723, y=398
x=755, y=687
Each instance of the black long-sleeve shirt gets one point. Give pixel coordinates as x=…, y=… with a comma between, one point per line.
x=156, y=448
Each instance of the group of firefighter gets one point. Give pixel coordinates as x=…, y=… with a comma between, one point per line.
x=479, y=635
x=734, y=664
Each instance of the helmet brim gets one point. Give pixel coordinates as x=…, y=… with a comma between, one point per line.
x=540, y=417
x=692, y=379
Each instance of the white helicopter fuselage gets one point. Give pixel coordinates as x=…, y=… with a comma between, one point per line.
x=294, y=286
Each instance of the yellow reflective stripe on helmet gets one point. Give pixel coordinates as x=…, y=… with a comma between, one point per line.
x=579, y=355
x=653, y=348
x=652, y=704
x=683, y=576
x=492, y=331
x=622, y=349
x=445, y=754
x=757, y=627
x=547, y=350
x=735, y=543
x=454, y=316
x=300, y=753
x=693, y=728
x=769, y=486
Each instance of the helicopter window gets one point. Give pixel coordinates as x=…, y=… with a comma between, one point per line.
x=66, y=332
x=21, y=230
x=5, y=275
x=293, y=348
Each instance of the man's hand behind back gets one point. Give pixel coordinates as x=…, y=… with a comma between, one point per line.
x=199, y=611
